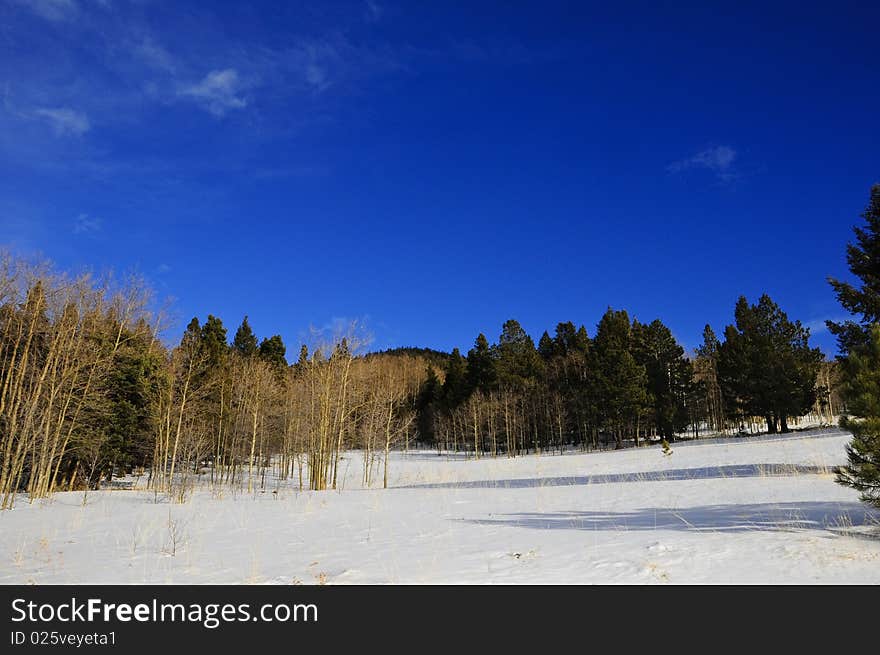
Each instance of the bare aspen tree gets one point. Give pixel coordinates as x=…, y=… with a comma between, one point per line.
x=183, y=431
x=327, y=379
x=258, y=395
x=58, y=340
x=400, y=413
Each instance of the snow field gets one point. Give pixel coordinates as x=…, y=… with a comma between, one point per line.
x=729, y=511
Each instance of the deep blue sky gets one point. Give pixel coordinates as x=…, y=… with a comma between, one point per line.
x=437, y=170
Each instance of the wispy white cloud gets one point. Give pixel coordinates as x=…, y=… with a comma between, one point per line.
x=162, y=269
x=85, y=224
x=218, y=92
x=52, y=10
x=154, y=55
x=718, y=159
x=64, y=121
x=114, y=70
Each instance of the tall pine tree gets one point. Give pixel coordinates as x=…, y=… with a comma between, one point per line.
x=669, y=375
x=518, y=363
x=245, y=341
x=620, y=383
x=426, y=406
x=863, y=258
x=862, y=388
x=546, y=347
x=481, y=369
x=767, y=365
x=859, y=344
x=455, y=387
x=272, y=350
x=706, y=375
x=214, y=342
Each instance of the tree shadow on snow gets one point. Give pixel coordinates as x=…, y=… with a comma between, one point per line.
x=704, y=473
x=853, y=519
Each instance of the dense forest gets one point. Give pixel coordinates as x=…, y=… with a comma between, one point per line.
x=88, y=389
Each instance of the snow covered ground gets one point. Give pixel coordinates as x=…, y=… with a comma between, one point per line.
x=749, y=510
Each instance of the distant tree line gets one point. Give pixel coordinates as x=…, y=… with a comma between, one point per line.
x=630, y=382
x=88, y=390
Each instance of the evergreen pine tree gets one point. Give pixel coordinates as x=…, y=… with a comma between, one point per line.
x=863, y=258
x=518, y=362
x=272, y=350
x=426, y=406
x=245, y=341
x=859, y=343
x=566, y=339
x=303, y=360
x=862, y=387
x=193, y=331
x=669, y=375
x=481, y=369
x=129, y=391
x=214, y=342
x=766, y=364
x=568, y=399
x=706, y=374
x=216, y=380
x=582, y=340
x=711, y=344
x=620, y=383
x=546, y=347
x=191, y=345
x=455, y=387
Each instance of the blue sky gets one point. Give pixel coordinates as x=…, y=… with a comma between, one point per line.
x=434, y=169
